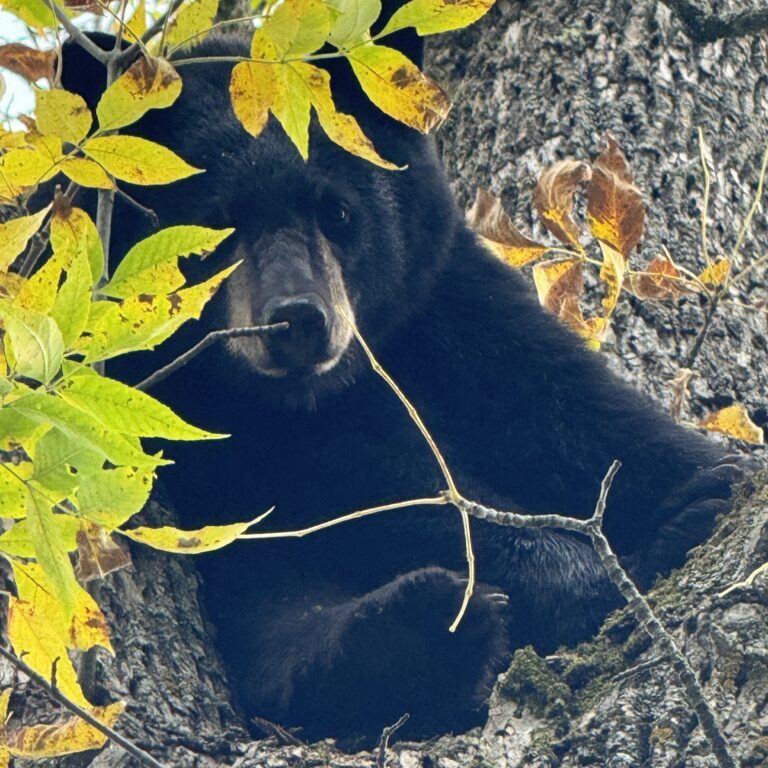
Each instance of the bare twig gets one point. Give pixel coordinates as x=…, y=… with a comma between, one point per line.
x=78, y=35
x=115, y=737
x=693, y=352
x=386, y=735
x=142, y=209
x=705, y=202
x=227, y=333
x=706, y=28
x=635, y=601
x=453, y=493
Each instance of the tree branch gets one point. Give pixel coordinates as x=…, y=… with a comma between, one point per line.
x=78, y=35
x=702, y=27
x=228, y=333
x=115, y=737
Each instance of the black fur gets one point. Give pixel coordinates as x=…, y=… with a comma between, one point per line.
x=343, y=631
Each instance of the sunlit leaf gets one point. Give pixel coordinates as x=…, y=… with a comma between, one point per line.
x=151, y=266
x=33, y=343
x=488, y=218
x=137, y=160
x=398, y=87
x=716, y=274
x=72, y=304
x=298, y=26
x=188, y=542
x=136, y=26
x=433, y=16
x=149, y=83
x=62, y=114
x=72, y=230
x=23, y=167
x=110, y=497
x=554, y=198
x=144, y=321
x=15, y=234
x=734, y=421
x=612, y=273
x=190, y=23
x=19, y=539
x=124, y=409
x=85, y=172
x=36, y=13
x=13, y=494
x=354, y=18
x=253, y=89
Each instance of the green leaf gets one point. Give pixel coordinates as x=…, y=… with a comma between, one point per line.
x=124, y=409
x=15, y=234
x=73, y=301
x=36, y=13
x=151, y=265
x=138, y=161
x=149, y=83
x=433, y=16
x=33, y=343
x=13, y=493
x=62, y=114
x=191, y=22
x=298, y=26
x=354, y=19
x=54, y=454
x=81, y=427
x=19, y=541
x=144, y=321
x=51, y=552
x=110, y=497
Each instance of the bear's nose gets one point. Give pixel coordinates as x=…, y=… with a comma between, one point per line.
x=305, y=341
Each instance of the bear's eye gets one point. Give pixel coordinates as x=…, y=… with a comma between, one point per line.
x=342, y=213
x=335, y=218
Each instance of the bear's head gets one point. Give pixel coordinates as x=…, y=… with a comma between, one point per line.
x=322, y=243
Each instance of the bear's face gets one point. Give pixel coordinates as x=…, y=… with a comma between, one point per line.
x=322, y=244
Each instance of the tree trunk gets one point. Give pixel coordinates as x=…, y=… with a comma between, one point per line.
x=534, y=82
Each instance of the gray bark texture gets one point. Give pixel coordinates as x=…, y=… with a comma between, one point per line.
x=535, y=82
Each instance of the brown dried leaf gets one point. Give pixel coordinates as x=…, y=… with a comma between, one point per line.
x=615, y=207
x=98, y=553
x=491, y=222
x=734, y=421
x=29, y=63
x=661, y=279
x=558, y=280
x=554, y=198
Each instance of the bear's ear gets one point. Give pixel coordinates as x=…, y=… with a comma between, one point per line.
x=406, y=40
x=81, y=73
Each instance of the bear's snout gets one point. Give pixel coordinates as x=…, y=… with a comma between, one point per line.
x=306, y=340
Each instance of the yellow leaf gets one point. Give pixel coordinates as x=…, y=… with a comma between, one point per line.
x=38, y=293
x=36, y=13
x=433, y=16
x=191, y=22
x=188, y=542
x=66, y=738
x=253, y=88
x=612, y=272
x=62, y=114
x=342, y=129
x=138, y=161
x=137, y=24
x=557, y=279
x=353, y=21
x=42, y=642
x=85, y=172
x=13, y=496
x=23, y=167
x=72, y=230
x=291, y=107
x=397, y=86
x=734, y=421
x=149, y=83
x=15, y=234
x=488, y=218
x=716, y=274
x=5, y=697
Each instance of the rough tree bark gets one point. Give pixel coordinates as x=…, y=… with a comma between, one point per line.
x=534, y=82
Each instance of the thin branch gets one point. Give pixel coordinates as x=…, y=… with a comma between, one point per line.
x=693, y=353
x=302, y=532
x=127, y=55
x=386, y=735
x=453, y=492
x=705, y=203
x=214, y=336
x=78, y=35
x=706, y=28
x=115, y=737
x=635, y=601
x=752, y=209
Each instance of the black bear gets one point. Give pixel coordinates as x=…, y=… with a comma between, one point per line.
x=344, y=631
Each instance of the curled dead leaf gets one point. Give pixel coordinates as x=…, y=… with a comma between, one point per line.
x=489, y=219
x=29, y=63
x=661, y=279
x=615, y=207
x=554, y=198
